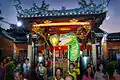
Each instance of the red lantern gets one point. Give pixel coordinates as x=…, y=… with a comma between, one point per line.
x=89, y=47
x=82, y=47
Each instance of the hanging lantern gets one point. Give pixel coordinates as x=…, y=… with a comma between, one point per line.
x=89, y=46
x=54, y=40
x=82, y=47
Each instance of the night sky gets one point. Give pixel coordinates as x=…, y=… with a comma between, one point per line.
x=111, y=24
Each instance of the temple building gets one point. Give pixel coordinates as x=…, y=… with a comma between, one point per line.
x=77, y=31
x=6, y=44
x=61, y=35
x=111, y=46
x=13, y=43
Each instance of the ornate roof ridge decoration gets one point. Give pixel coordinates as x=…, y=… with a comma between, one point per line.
x=43, y=11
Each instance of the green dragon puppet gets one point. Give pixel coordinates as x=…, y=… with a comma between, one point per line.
x=73, y=46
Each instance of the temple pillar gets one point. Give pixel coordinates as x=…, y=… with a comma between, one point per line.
x=94, y=54
x=30, y=52
x=30, y=47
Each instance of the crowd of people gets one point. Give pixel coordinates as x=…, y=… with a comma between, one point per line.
x=18, y=70
x=14, y=70
x=70, y=75
x=90, y=73
x=99, y=73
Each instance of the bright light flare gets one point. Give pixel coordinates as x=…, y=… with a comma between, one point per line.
x=19, y=23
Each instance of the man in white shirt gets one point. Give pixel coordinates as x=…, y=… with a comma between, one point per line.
x=26, y=68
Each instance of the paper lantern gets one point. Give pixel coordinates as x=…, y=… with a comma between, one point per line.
x=54, y=40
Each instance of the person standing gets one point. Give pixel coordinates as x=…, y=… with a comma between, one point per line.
x=9, y=70
x=5, y=64
x=26, y=68
x=2, y=71
x=18, y=72
x=69, y=77
x=18, y=67
x=77, y=70
x=71, y=71
x=41, y=71
x=58, y=74
x=47, y=65
x=88, y=74
x=100, y=73
x=116, y=74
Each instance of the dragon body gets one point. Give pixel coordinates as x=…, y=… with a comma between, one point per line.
x=73, y=46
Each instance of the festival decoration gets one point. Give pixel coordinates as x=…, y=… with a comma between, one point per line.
x=36, y=11
x=74, y=50
x=66, y=39
x=83, y=31
x=62, y=24
x=9, y=69
x=54, y=40
x=71, y=40
x=40, y=31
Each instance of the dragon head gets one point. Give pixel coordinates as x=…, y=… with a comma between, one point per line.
x=66, y=38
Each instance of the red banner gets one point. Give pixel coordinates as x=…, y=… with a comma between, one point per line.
x=58, y=47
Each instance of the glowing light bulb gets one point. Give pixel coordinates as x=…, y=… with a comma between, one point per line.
x=19, y=23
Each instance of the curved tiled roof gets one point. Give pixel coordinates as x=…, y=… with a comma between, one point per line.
x=43, y=11
x=113, y=37
x=8, y=36
x=3, y=33
x=19, y=35
x=14, y=35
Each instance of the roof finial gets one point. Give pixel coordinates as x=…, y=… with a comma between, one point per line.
x=83, y=3
x=18, y=6
x=17, y=2
x=44, y=6
x=35, y=5
x=92, y=4
x=108, y=1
